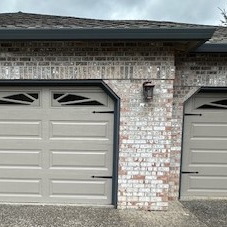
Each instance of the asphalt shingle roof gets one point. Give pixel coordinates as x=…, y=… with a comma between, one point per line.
x=27, y=20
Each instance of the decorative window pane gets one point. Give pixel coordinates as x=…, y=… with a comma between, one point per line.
x=56, y=95
x=34, y=95
x=88, y=103
x=20, y=97
x=220, y=104
x=67, y=99
x=13, y=98
x=211, y=107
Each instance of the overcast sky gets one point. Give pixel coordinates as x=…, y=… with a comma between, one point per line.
x=189, y=11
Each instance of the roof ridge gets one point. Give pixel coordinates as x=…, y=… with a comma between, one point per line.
x=37, y=14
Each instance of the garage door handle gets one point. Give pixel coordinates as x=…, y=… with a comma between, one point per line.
x=187, y=172
x=103, y=112
x=106, y=177
x=191, y=114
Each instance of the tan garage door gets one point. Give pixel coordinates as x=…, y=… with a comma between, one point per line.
x=204, y=160
x=54, y=145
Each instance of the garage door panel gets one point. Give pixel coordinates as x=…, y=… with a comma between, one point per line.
x=87, y=159
x=204, y=186
x=209, y=130
x=72, y=187
x=21, y=144
x=20, y=129
x=86, y=199
x=208, y=162
x=78, y=130
x=20, y=173
x=20, y=187
x=208, y=157
x=20, y=158
x=207, y=144
x=88, y=191
x=78, y=159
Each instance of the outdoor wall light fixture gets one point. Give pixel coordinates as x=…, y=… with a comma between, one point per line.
x=148, y=90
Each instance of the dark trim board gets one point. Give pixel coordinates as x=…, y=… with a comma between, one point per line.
x=108, y=90
x=174, y=34
x=51, y=82
x=211, y=48
x=213, y=89
x=182, y=142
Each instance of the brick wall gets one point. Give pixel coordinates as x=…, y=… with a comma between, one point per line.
x=145, y=142
x=146, y=127
x=81, y=60
x=192, y=72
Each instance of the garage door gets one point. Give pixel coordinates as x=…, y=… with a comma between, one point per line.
x=204, y=161
x=56, y=145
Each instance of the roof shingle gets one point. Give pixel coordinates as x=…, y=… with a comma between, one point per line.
x=27, y=20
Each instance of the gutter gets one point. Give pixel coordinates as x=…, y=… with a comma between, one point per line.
x=212, y=48
x=162, y=34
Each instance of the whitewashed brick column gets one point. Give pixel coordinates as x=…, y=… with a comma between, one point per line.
x=145, y=143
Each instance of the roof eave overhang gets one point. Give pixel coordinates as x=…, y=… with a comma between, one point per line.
x=212, y=48
x=157, y=34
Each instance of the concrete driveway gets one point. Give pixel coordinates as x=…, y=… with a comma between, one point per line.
x=212, y=213
x=186, y=215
